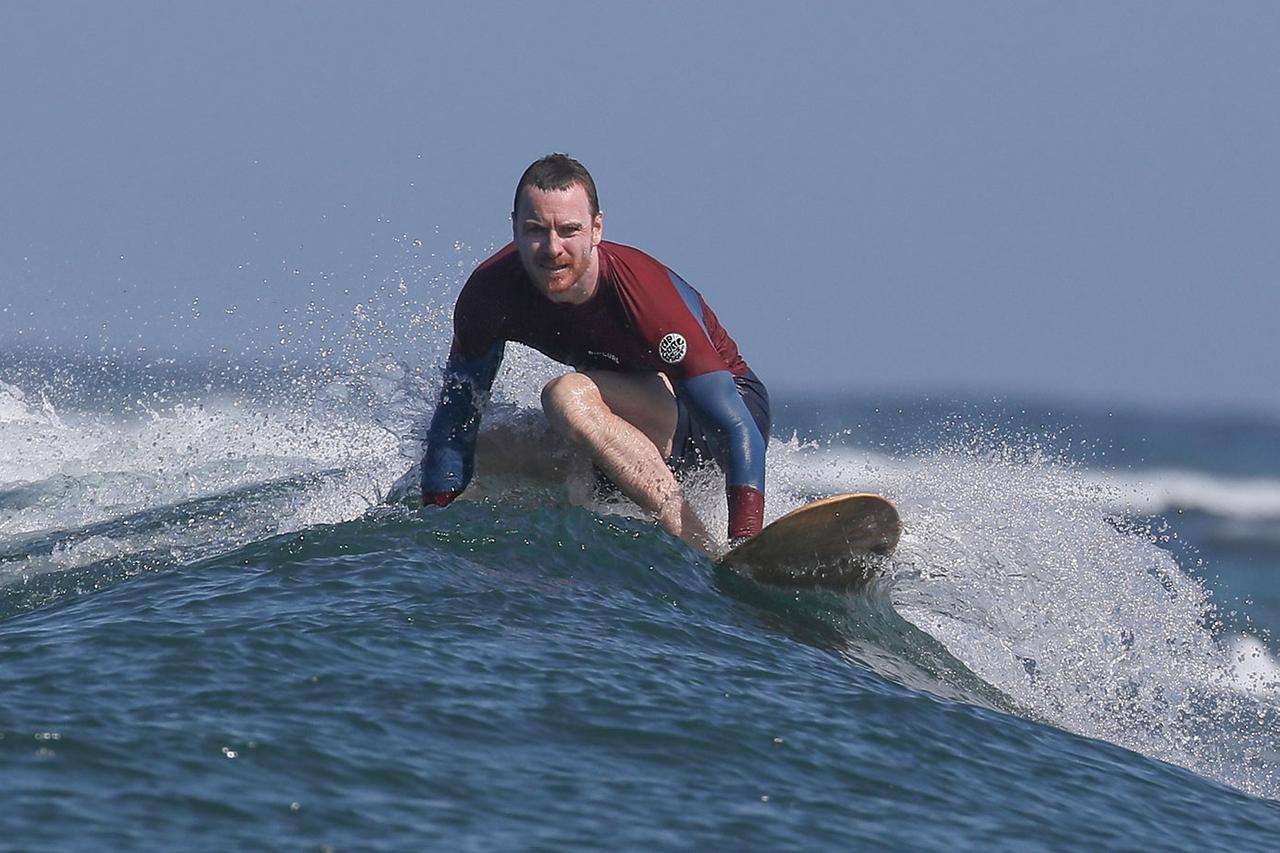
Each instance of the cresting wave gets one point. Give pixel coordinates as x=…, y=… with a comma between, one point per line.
x=1162, y=490
x=131, y=493
x=1022, y=568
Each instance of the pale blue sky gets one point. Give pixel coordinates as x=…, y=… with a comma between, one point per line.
x=1073, y=200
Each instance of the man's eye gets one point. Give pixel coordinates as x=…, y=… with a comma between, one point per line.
x=570, y=231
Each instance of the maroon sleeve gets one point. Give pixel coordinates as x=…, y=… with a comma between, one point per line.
x=479, y=315
x=668, y=316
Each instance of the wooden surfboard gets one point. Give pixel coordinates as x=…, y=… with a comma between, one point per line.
x=830, y=542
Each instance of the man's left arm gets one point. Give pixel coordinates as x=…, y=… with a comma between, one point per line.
x=737, y=443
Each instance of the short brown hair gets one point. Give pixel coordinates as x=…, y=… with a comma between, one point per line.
x=557, y=172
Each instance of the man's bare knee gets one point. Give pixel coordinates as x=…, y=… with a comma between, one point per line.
x=564, y=391
x=565, y=400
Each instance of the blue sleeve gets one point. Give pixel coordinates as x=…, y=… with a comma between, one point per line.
x=737, y=441
x=451, y=441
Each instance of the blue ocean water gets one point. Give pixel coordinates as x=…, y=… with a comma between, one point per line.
x=216, y=631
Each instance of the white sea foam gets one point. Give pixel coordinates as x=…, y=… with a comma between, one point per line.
x=1254, y=669
x=73, y=555
x=13, y=405
x=93, y=487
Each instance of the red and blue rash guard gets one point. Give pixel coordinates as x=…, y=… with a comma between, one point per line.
x=642, y=317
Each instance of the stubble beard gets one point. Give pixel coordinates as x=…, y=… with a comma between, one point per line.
x=556, y=284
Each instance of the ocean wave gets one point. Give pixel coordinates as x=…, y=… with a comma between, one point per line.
x=78, y=489
x=1010, y=563
x=1015, y=563
x=1157, y=491
x=1152, y=491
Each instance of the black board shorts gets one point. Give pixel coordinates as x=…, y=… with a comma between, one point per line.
x=693, y=446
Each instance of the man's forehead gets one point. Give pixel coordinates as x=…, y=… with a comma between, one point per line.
x=568, y=202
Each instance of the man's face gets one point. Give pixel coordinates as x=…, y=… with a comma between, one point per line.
x=556, y=236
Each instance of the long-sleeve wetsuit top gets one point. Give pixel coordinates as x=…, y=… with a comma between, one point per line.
x=642, y=317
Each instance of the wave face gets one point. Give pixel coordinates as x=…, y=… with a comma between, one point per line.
x=214, y=625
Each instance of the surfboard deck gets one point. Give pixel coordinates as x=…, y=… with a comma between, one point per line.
x=830, y=542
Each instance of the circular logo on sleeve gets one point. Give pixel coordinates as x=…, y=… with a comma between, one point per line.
x=672, y=348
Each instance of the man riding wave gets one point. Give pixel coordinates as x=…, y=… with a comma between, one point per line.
x=656, y=378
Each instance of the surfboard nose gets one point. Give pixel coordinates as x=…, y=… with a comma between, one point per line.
x=835, y=541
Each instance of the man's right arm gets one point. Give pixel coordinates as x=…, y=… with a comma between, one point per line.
x=449, y=459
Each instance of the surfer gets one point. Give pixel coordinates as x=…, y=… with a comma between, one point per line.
x=658, y=384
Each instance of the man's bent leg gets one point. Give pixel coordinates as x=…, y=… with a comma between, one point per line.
x=536, y=454
x=626, y=422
